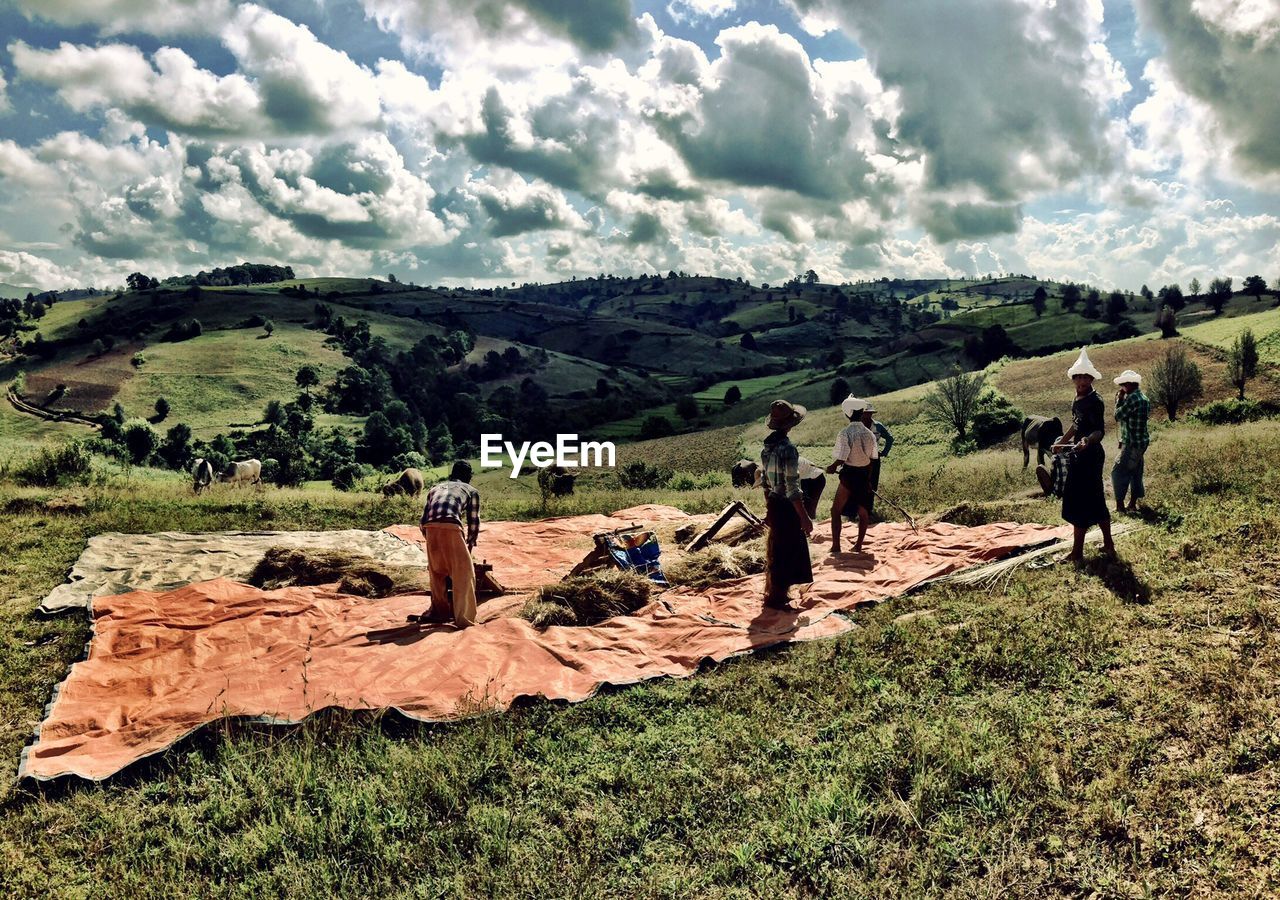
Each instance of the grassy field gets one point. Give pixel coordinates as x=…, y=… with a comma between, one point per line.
x=1106, y=732
x=1220, y=332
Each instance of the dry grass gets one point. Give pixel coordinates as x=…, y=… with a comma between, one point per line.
x=1041, y=386
x=717, y=563
x=354, y=573
x=588, y=599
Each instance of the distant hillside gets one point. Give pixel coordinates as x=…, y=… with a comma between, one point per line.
x=613, y=357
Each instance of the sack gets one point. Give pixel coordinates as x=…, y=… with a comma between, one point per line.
x=1061, y=469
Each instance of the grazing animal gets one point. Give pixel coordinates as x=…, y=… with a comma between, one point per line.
x=745, y=473
x=201, y=474
x=555, y=482
x=409, y=482
x=247, y=471
x=1042, y=432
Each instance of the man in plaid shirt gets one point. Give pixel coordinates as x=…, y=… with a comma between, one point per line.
x=451, y=506
x=1133, y=409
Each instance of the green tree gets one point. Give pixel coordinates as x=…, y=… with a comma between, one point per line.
x=1175, y=381
x=656, y=427
x=839, y=390
x=1194, y=287
x=1254, y=287
x=1219, y=294
x=140, y=442
x=1039, y=299
x=307, y=378
x=162, y=409
x=273, y=413
x=811, y=277
x=1070, y=296
x=1171, y=296
x=268, y=326
x=953, y=401
x=733, y=395
x=1116, y=306
x=748, y=341
x=175, y=450
x=687, y=407
x=1242, y=360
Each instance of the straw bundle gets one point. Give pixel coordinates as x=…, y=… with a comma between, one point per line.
x=355, y=573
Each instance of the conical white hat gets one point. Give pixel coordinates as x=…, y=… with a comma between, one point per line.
x=1083, y=366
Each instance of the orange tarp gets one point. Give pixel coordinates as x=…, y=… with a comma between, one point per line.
x=162, y=664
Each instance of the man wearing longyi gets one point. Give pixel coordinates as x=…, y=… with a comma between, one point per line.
x=452, y=506
x=855, y=448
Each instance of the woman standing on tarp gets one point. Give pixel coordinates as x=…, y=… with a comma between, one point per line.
x=787, y=545
x=1084, y=501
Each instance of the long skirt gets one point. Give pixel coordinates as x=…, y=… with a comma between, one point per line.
x=786, y=548
x=857, y=481
x=1084, y=501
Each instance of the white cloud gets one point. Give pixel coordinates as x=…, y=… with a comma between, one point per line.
x=174, y=93
x=690, y=10
x=113, y=16
x=26, y=270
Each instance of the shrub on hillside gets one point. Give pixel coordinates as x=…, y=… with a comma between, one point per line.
x=1230, y=412
x=140, y=441
x=688, y=481
x=995, y=418
x=51, y=467
x=656, y=427
x=642, y=476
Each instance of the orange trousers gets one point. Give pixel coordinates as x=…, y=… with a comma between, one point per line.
x=448, y=557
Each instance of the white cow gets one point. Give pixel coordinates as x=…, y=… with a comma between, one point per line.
x=248, y=471
x=201, y=474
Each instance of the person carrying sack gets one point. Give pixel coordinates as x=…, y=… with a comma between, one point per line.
x=1133, y=409
x=787, y=545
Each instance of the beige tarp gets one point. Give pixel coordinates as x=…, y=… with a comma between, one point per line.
x=114, y=563
x=163, y=663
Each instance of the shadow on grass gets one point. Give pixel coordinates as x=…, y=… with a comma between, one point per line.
x=1120, y=578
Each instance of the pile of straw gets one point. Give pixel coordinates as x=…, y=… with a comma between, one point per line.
x=588, y=599
x=717, y=563
x=355, y=573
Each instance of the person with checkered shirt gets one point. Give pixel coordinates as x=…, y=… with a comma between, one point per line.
x=1133, y=410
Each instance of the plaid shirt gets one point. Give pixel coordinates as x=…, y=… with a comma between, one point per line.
x=456, y=502
x=780, y=461
x=1132, y=412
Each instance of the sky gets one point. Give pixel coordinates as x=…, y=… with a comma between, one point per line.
x=485, y=142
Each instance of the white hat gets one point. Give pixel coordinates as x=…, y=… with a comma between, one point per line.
x=1128, y=376
x=1083, y=366
x=852, y=405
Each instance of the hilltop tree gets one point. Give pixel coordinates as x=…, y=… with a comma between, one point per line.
x=139, y=282
x=1242, y=360
x=1171, y=296
x=839, y=390
x=1175, y=381
x=1070, y=296
x=1146, y=293
x=733, y=395
x=1116, y=306
x=1219, y=294
x=1038, y=300
x=268, y=326
x=1092, y=301
x=953, y=402
x=810, y=277
x=1254, y=287
x=1194, y=287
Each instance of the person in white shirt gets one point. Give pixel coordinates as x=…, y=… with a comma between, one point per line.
x=855, y=449
x=813, y=481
